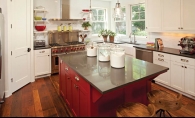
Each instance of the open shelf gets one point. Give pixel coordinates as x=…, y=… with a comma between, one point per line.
x=40, y=32
x=40, y=10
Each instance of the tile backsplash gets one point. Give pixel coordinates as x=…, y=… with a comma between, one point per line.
x=170, y=40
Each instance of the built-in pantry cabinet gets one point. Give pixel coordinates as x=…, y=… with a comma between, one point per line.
x=181, y=74
x=170, y=15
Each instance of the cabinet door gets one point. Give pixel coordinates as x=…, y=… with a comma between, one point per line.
x=171, y=15
x=42, y=64
x=153, y=15
x=177, y=76
x=62, y=81
x=75, y=99
x=68, y=90
x=188, y=14
x=83, y=102
x=165, y=77
x=190, y=80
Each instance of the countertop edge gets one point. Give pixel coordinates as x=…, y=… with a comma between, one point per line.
x=153, y=49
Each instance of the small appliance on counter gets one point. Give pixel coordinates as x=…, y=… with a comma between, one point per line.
x=188, y=45
x=39, y=43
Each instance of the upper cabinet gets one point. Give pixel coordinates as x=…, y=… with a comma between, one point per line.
x=188, y=15
x=170, y=15
x=153, y=15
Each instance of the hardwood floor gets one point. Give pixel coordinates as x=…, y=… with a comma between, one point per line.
x=41, y=98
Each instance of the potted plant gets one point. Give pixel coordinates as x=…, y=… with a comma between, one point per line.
x=85, y=25
x=111, y=36
x=104, y=33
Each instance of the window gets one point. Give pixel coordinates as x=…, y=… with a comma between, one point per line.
x=120, y=23
x=99, y=20
x=138, y=19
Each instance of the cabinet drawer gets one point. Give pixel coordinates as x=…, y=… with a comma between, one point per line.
x=183, y=60
x=161, y=55
x=43, y=51
x=81, y=82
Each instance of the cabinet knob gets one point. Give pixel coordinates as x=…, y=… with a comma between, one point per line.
x=77, y=78
x=66, y=68
x=185, y=67
x=187, y=61
x=182, y=66
x=178, y=27
x=48, y=55
x=181, y=27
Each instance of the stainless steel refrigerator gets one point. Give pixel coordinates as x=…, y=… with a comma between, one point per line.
x=2, y=79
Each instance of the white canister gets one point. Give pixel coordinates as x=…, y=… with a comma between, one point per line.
x=104, y=52
x=91, y=49
x=117, y=57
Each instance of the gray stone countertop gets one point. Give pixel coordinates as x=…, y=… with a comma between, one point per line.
x=165, y=50
x=106, y=78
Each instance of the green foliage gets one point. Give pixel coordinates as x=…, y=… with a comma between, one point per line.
x=104, y=32
x=139, y=24
x=112, y=33
x=86, y=24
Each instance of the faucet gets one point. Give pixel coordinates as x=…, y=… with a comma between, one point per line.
x=130, y=38
x=134, y=39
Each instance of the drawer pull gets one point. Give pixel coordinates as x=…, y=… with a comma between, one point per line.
x=77, y=78
x=182, y=66
x=66, y=68
x=185, y=67
x=160, y=59
x=160, y=55
x=41, y=51
x=76, y=86
x=183, y=60
x=187, y=61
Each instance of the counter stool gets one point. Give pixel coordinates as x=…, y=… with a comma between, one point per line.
x=164, y=101
x=135, y=110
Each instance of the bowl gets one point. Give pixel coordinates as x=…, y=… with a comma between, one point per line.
x=44, y=18
x=38, y=18
x=40, y=28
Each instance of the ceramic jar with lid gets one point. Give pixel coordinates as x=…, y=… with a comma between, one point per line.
x=92, y=49
x=103, y=52
x=117, y=57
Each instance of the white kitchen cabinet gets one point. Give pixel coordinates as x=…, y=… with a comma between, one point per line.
x=188, y=15
x=183, y=74
x=189, y=79
x=163, y=59
x=153, y=15
x=42, y=62
x=177, y=76
x=178, y=15
x=171, y=15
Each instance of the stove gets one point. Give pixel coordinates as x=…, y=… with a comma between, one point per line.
x=64, y=48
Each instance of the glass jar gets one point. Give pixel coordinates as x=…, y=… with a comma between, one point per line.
x=117, y=58
x=103, y=52
x=91, y=49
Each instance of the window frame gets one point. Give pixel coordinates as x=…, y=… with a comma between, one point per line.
x=115, y=21
x=105, y=20
x=130, y=23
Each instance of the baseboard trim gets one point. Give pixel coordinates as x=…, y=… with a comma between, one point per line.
x=173, y=89
x=41, y=76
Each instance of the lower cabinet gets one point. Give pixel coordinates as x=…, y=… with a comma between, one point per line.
x=75, y=91
x=177, y=76
x=42, y=62
x=189, y=79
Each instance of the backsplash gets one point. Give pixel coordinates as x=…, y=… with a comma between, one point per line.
x=170, y=40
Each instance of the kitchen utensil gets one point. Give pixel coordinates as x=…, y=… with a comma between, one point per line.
x=117, y=57
x=38, y=18
x=40, y=28
x=104, y=52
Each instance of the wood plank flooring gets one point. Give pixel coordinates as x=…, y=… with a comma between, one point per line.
x=41, y=99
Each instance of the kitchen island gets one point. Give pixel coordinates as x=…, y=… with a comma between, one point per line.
x=93, y=88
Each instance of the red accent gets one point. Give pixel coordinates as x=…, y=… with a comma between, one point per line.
x=85, y=100
x=40, y=28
